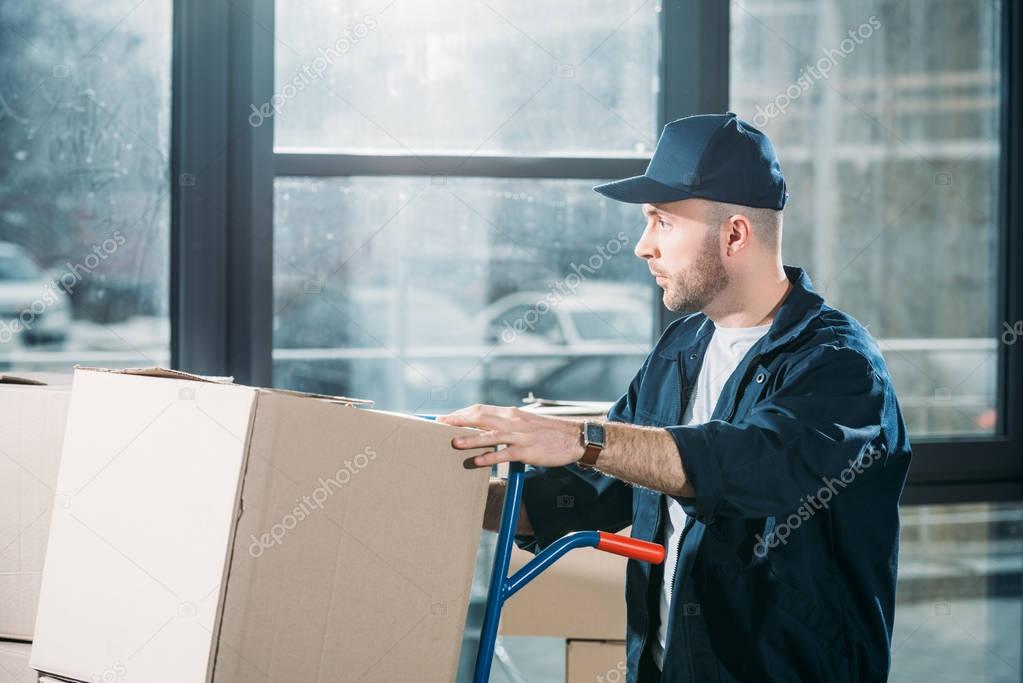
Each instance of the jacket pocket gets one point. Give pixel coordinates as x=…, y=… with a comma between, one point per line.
x=762, y=629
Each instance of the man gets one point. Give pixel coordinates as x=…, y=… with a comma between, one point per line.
x=761, y=442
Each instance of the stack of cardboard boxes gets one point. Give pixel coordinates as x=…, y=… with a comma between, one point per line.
x=14, y=667
x=207, y=531
x=580, y=598
x=33, y=409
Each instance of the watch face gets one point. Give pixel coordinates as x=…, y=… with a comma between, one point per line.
x=595, y=434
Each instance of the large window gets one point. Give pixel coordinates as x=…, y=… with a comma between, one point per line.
x=431, y=297
x=436, y=239
x=958, y=610
x=886, y=117
x=414, y=78
x=431, y=286
x=392, y=200
x=84, y=220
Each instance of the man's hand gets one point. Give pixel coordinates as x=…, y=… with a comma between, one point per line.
x=645, y=456
x=533, y=439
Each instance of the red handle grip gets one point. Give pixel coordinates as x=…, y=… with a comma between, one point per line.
x=631, y=548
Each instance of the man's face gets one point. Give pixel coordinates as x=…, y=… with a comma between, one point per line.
x=682, y=250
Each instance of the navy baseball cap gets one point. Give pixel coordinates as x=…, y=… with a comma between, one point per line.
x=711, y=156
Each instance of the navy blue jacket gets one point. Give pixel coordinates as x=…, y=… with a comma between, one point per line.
x=787, y=564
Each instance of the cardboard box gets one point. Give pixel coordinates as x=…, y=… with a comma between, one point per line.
x=14, y=666
x=582, y=595
x=588, y=661
x=206, y=531
x=32, y=416
x=568, y=409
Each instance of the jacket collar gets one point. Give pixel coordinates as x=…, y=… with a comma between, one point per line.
x=800, y=307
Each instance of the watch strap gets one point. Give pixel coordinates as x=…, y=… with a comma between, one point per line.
x=591, y=450
x=590, y=454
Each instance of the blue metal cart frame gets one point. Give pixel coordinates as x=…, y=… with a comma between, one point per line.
x=503, y=587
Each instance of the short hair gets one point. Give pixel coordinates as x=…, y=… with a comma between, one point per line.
x=766, y=222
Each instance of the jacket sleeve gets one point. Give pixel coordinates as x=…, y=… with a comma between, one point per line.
x=559, y=500
x=822, y=428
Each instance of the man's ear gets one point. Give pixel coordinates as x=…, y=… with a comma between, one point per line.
x=738, y=233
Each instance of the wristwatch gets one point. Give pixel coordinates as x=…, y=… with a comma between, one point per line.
x=592, y=438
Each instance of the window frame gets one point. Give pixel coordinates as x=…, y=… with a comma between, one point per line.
x=223, y=172
x=221, y=189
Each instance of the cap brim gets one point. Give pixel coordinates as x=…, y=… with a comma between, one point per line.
x=641, y=189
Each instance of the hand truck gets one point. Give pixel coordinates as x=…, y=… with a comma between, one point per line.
x=503, y=587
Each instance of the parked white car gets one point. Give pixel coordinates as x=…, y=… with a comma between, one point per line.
x=598, y=314
x=33, y=308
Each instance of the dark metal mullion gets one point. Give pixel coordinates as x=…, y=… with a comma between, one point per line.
x=249, y=258
x=955, y=492
x=198, y=297
x=1010, y=279
x=313, y=164
x=961, y=459
x=694, y=68
x=221, y=198
x=1010, y=362
x=693, y=73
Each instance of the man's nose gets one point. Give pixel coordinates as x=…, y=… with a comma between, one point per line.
x=646, y=247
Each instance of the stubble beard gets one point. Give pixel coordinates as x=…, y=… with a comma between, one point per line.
x=694, y=288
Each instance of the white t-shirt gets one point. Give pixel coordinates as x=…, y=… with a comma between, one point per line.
x=727, y=347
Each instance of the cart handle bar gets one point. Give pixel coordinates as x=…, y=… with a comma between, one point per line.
x=631, y=548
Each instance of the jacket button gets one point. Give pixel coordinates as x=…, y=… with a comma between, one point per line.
x=760, y=378
x=692, y=356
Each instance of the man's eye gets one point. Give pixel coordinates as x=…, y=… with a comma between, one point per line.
x=660, y=222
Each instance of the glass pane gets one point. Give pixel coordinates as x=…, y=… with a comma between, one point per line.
x=958, y=613
x=84, y=222
x=465, y=76
x=430, y=294
x=885, y=116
